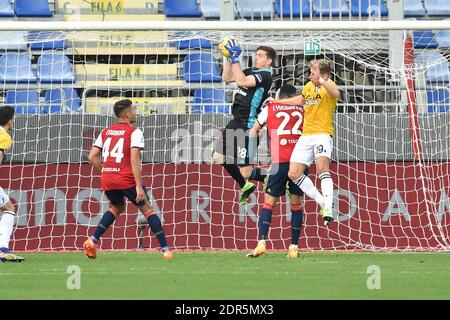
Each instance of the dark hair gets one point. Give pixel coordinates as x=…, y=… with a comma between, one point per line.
x=121, y=105
x=6, y=114
x=270, y=52
x=287, y=91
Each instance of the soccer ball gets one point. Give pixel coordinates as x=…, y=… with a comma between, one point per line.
x=224, y=42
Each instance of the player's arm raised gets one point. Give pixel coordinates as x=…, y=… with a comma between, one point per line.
x=294, y=101
x=94, y=157
x=227, y=73
x=2, y=154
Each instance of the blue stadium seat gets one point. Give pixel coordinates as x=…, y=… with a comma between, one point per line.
x=13, y=41
x=16, y=68
x=369, y=8
x=438, y=100
x=254, y=8
x=210, y=101
x=424, y=40
x=284, y=8
x=200, y=67
x=34, y=8
x=413, y=8
x=44, y=40
x=181, y=8
x=330, y=7
x=193, y=44
x=58, y=100
x=437, y=66
x=437, y=7
x=24, y=101
x=6, y=9
x=54, y=67
x=210, y=8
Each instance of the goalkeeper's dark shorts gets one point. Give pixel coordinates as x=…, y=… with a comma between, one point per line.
x=277, y=181
x=117, y=197
x=234, y=144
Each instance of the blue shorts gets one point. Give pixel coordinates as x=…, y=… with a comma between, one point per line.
x=277, y=182
x=117, y=197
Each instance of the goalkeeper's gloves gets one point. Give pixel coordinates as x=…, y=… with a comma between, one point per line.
x=234, y=50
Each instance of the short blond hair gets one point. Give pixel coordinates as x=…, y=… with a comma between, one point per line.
x=325, y=66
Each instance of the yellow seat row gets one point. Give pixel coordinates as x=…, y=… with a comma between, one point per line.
x=149, y=105
x=127, y=72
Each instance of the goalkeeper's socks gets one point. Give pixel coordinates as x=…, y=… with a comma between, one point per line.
x=296, y=223
x=6, y=228
x=265, y=219
x=327, y=189
x=308, y=188
x=234, y=171
x=107, y=220
x=156, y=226
x=257, y=175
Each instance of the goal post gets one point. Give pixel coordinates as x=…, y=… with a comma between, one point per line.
x=391, y=158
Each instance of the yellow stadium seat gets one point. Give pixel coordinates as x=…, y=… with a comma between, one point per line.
x=107, y=7
x=115, y=17
x=149, y=105
x=127, y=72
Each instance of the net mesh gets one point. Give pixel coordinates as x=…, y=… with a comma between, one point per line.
x=390, y=163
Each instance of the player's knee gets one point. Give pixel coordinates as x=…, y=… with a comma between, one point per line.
x=117, y=210
x=8, y=207
x=293, y=175
x=218, y=158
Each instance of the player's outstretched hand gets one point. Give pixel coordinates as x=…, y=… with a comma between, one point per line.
x=268, y=100
x=235, y=51
x=140, y=194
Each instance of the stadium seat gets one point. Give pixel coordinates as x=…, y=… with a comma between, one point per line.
x=193, y=44
x=210, y=8
x=413, y=8
x=438, y=100
x=16, y=68
x=369, y=8
x=54, y=67
x=6, y=9
x=437, y=66
x=210, y=101
x=58, y=100
x=200, y=67
x=443, y=38
x=334, y=8
x=287, y=7
x=424, y=40
x=43, y=40
x=35, y=8
x=437, y=7
x=13, y=40
x=182, y=8
x=24, y=101
x=254, y=8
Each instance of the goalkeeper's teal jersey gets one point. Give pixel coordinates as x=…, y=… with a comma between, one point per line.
x=247, y=101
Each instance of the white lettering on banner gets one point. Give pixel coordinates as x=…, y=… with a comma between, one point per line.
x=197, y=208
x=247, y=210
x=444, y=204
x=115, y=132
x=182, y=149
x=352, y=205
x=396, y=199
x=41, y=197
x=77, y=207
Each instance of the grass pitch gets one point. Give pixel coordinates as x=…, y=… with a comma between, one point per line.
x=228, y=275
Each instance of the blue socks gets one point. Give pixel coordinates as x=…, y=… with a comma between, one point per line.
x=265, y=218
x=296, y=223
x=156, y=226
x=107, y=220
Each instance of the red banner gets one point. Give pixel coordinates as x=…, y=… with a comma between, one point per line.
x=380, y=205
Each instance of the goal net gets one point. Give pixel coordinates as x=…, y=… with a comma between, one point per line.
x=391, y=150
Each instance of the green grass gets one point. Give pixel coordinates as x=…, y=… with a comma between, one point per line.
x=228, y=275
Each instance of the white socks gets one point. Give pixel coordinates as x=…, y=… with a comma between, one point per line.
x=310, y=190
x=6, y=228
x=327, y=189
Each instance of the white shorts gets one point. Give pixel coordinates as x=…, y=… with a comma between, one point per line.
x=310, y=147
x=3, y=197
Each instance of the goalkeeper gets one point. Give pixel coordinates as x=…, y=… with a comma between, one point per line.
x=253, y=87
